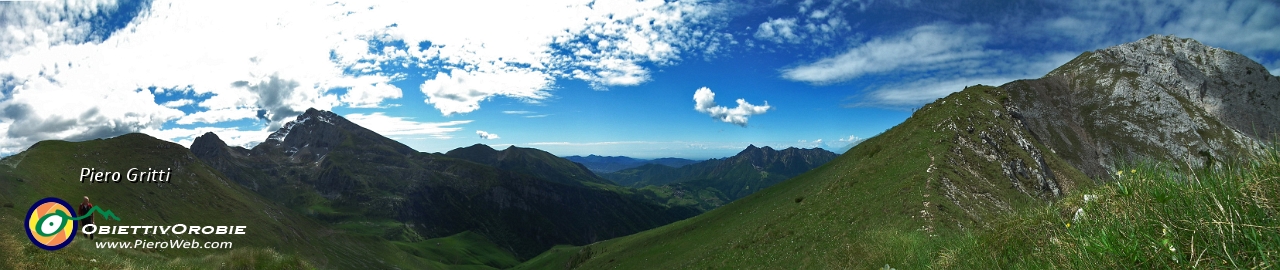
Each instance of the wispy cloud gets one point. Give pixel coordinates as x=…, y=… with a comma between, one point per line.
x=705, y=102
x=405, y=126
x=1247, y=26
x=924, y=48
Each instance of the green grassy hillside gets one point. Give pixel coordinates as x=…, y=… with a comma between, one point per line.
x=880, y=203
x=1156, y=216
x=197, y=195
x=920, y=196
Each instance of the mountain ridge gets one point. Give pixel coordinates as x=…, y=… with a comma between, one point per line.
x=711, y=183
x=524, y=200
x=963, y=160
x=196, y=194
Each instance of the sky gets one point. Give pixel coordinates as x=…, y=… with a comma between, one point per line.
x=647, y=79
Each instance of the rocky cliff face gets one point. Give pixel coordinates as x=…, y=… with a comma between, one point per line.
x=1161, y=97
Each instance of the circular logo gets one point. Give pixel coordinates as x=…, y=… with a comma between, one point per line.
x=50, y=225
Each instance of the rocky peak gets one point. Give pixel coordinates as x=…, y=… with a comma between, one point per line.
x=1161, y=97
x=207, y=145
x=314, y=133
x=312, y=116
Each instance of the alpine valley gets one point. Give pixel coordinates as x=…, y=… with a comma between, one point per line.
x=324, y=192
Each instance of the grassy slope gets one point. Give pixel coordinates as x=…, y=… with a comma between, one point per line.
x=1155, y=216
x=859, y=211
x=862, y=210
x=196, y=196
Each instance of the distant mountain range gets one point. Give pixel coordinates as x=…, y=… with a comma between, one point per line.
x=709, y=184
x=388, y=202
x=524, y=200
x=608, y=164
x=963, y=161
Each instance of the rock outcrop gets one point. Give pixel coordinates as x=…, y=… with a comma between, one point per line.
x=1162, y=97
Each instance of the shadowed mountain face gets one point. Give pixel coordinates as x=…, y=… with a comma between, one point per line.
x=716, y=181
x=960, y=161
x=529, y=161
x=524, y=200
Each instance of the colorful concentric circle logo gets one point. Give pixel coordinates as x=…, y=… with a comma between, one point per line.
x=51, y=224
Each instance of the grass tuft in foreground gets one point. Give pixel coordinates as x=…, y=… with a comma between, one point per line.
x=1157, y=215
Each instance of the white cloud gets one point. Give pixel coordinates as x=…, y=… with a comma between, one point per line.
x=217, y=116
x=704, y=102
x=486, y=135
x=47, y=23
x=925, y=63
x=369, y=92
x=928, y=47
x=778, y=30
x=814, y=25
x=178, y=103
x=463, y=91
x=232, y=136
x=924, y=90
x=1248, y=26
x=517, y=112
x=279, y=58
x=850, y=139
x=805, y=144
x=405, y=126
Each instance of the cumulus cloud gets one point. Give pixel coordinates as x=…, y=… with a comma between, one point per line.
x=705, y=102
x=404, y=126
x=778, y=30
x=486, y=135
x=48, y=23
x=814, y=23
x=277, y=59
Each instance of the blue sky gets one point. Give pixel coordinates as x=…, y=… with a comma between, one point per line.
x=693, y=79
